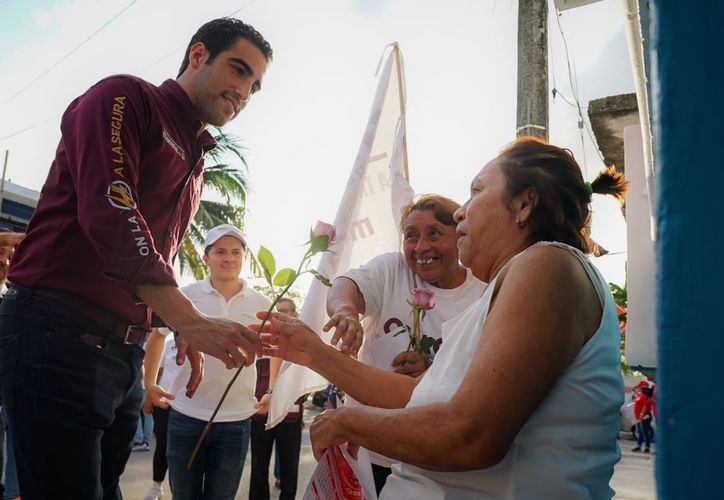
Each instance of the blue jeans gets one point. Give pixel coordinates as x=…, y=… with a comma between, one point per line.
x=216, y=471
x=144, y=428
x=643, y=428
x=72, y=407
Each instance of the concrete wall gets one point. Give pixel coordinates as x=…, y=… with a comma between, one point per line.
x=688, y=101
x=640, y=261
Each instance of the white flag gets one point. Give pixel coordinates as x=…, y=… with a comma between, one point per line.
x=367, y=220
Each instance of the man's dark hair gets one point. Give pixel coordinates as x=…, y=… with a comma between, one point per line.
x=220, y=34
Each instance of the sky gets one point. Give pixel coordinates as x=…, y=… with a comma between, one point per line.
x=303, y=130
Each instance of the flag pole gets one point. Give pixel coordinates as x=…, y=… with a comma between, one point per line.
x=403, y=103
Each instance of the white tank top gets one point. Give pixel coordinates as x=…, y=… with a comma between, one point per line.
x=568, y=447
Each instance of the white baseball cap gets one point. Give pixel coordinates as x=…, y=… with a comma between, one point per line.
x=224, y=230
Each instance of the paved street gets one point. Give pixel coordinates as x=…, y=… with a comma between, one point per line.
x=137, y=478
x=633, y=478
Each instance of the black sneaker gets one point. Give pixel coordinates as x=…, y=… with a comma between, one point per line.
x=638, y=448
x=646, y=450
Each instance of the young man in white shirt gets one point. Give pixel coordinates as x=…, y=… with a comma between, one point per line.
x=217, y=468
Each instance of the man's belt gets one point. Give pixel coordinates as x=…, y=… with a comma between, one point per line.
x=128, y=334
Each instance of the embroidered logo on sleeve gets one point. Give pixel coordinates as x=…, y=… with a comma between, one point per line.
x=173, y=145
x=119, y=195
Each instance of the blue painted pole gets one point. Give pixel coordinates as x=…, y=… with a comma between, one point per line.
x=688, y=100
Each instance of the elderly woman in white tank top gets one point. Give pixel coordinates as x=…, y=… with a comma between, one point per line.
x=523, y=398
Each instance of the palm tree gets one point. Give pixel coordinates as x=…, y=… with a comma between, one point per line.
x=222, y=180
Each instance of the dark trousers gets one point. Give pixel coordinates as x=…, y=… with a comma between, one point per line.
x=380, y=475
x=72, y=407
x=288, y=438
x=160, y=430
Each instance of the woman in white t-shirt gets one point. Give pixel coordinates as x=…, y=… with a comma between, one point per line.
x=522, y=399
x=380, y=292
x=369, y=306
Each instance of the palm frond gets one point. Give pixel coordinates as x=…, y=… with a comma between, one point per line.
x=212, y=213
x=254, y=265
x=229, y=182
x=190, y=259
x=226, y=144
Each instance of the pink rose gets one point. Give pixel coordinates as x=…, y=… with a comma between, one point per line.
x=421, y=297
x=324, y=229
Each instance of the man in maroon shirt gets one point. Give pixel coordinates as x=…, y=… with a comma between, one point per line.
x=97, y=261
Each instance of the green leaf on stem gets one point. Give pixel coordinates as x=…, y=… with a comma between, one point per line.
x=266, y=259
x=323, y=279
x=318, y=244
x=426, y=344
x=284, y=277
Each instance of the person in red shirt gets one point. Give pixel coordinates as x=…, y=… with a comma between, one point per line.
x=642, y=416
x=96, y=264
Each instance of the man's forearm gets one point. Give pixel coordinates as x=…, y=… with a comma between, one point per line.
x=225, y=339
x=170, y=304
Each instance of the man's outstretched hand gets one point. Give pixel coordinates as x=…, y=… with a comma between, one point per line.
x=231, y=342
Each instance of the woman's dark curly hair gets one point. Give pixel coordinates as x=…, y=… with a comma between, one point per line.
x=561, y=211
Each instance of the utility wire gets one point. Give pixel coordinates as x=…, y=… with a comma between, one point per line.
x=174, y=50
x=573, y=88
x=73, y=51
x=17, y=132
x=30, y=127
x=557, y=93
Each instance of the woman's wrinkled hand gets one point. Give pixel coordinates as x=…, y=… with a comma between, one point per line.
x=348, y=328
x=288, y=338
x=325, y=432
x=411, y=363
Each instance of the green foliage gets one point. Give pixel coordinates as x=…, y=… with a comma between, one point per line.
x=271, y=292
x=621, y=298
x=267, y=262
x=619, y=294
x=226, y=181
x=426, y=343
x=318, y=244
x=284, y=277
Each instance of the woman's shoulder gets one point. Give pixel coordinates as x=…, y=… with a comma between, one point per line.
x=549, y=271
x=546, y=261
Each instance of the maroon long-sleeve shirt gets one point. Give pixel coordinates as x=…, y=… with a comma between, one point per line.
x=119, y=196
